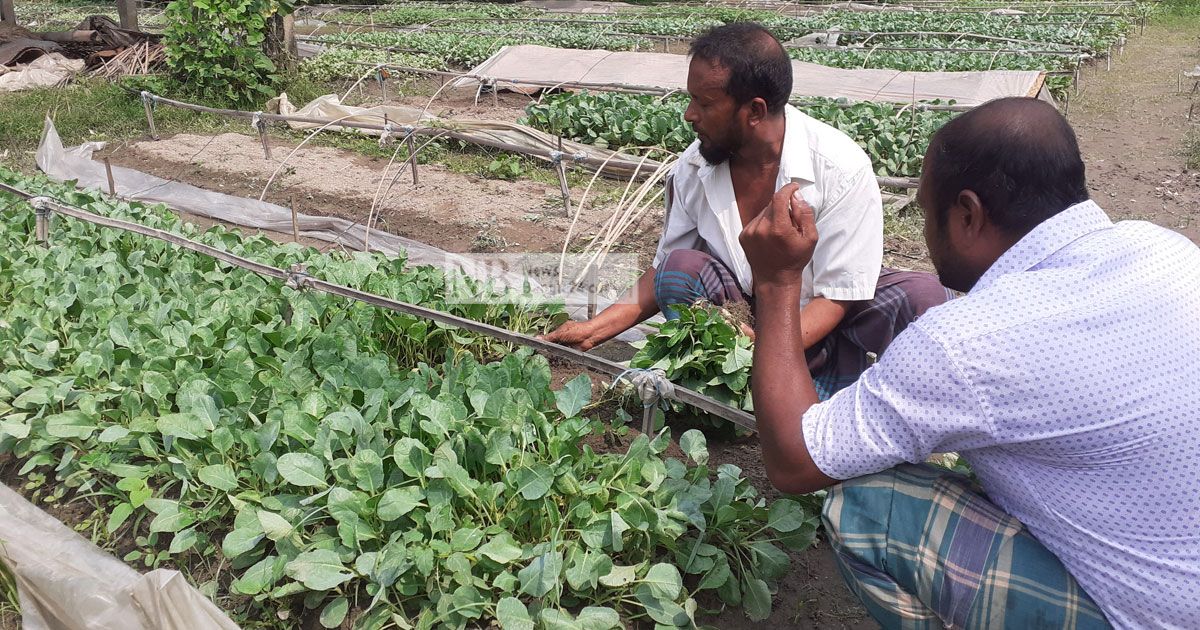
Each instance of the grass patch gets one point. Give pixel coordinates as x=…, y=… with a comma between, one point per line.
x=1191, y=149
x=84, y=111
x=1179, y=8
x=97, y=110
x=10, y=606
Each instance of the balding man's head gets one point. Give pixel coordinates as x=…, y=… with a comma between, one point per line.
x=758, y=65
x=992, y=175
x=1018, y=155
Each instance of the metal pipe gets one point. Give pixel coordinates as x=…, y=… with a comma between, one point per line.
x=298, y=279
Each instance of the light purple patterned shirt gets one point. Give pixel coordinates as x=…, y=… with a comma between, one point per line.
x=1069, y=378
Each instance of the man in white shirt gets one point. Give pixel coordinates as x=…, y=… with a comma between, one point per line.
x=750, y=142
x=1066, y=378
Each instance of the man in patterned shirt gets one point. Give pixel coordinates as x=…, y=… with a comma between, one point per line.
x=1066, y=378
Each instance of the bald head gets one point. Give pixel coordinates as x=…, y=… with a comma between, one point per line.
x=758, y=65
x=1018, y=155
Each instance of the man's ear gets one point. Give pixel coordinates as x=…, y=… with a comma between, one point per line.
x=969, y=214
x=757, y=112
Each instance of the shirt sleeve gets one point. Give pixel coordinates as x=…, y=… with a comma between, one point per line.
x=679, y=226
x=913, y=403
x=849, y=249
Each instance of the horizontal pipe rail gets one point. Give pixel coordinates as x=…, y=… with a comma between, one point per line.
x=299, y=279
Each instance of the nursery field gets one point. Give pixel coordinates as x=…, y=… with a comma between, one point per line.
x=306, y=458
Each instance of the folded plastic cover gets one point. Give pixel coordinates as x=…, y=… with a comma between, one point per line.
x=67, y=583
x=45, y=71
x=76, y=163
x=501, y=134
x=542, y=64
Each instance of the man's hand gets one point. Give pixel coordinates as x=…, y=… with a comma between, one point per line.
x=779, y=242
x=579, y=335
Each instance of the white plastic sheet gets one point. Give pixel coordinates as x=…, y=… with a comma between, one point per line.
x=67, y=583
x=542, y=64
x=45, y=71
x=509, y=135
x=76, y=163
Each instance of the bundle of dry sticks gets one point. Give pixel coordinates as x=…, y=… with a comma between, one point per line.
x=141, y=58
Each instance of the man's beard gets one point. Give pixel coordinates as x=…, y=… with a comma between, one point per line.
x=714, y=154
x=717, y=154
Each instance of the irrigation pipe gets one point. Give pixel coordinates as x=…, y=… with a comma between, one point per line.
x=297, y=278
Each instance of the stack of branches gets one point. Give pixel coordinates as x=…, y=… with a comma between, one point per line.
x=141, y=58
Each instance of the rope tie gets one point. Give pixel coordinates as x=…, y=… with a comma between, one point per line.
x=386, y=135
x=297, y=277
x=257, y=123
x=149, y=99
x=651, y=385
x=556, y=157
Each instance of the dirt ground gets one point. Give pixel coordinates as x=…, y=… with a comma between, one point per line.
x=1131, y=121
x=455, y=211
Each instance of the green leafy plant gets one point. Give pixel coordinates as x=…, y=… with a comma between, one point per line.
x=324, y=456
x=893, y=136
x=506, y=167
x=216, y=47
x=702, y=350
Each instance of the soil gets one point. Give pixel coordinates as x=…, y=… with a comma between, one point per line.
x=451, y=210
x=1131, y=122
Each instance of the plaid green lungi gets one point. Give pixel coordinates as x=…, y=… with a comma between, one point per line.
x=923, y=548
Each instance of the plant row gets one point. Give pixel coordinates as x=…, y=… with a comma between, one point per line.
x=894, y=138
x=465, y=50
x=434, y=50
x=331, y=461
x=1087, y=29
x=943, y=61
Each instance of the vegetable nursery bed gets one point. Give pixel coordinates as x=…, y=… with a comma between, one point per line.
x=454, y=211
x=198, y=458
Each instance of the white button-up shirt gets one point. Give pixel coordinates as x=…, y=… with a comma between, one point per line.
x=838, y=182
x=1069, y=378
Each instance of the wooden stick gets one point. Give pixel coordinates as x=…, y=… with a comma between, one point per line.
x=262, y=135
x=295, y=222
x=563, y=188
x=112, y=184
x=412, y=156
x=8, y=13
x=150, y=118
x=591, y=291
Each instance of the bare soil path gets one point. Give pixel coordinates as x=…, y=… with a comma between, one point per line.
x=1131, y=122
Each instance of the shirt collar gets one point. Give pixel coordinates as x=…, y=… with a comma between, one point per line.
x=796, y=160
x=1044, y=240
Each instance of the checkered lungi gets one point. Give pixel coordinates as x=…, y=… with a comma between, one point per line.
x=923, y=548
x=687, y=276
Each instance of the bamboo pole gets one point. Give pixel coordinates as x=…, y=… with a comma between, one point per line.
x=147, y=104
x=112, y=185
